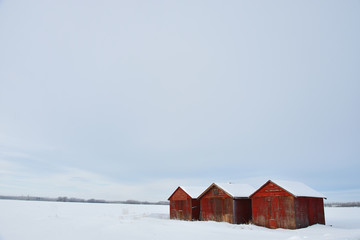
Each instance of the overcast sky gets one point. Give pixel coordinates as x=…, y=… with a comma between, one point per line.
x=129, y=99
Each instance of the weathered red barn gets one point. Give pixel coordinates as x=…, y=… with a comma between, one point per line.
x=184, y=204
x=284, y=204
x=226, y=203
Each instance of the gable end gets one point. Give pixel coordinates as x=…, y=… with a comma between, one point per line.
x=179, y=194
x=270, y=189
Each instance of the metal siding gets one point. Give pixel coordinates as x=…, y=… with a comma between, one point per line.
x=216, y=205
x=271, y=189
x=309, y=211
x=259, y=212
x=181, y=206
x=273, y=207
x=320, y=212
x=301, y=213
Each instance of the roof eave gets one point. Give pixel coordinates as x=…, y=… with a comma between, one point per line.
x=241, y=197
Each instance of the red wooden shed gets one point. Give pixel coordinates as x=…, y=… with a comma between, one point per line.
x=184, y=204
x=226, y=203
x=284, y=204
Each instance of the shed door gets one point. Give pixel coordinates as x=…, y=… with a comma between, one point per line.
x=272, y=211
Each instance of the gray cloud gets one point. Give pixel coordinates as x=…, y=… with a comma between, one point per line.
x=145, y=91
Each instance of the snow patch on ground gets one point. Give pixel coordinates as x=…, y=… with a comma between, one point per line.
x=21, y=220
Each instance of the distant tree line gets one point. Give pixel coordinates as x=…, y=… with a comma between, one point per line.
x=145, y=202
x=92, y=200
x=342, y=204
x=80, y=200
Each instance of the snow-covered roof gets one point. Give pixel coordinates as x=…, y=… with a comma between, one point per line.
x=298, y=189
x=193, y=192
x=237, y=190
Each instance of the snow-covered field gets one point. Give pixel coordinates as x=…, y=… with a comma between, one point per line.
x=25, y=220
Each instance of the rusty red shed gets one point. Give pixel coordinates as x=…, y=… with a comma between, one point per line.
x=226, y=203
x=285, y=204
x=184, y=204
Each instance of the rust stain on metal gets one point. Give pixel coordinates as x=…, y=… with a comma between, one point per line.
x=274, y=207
x=217, y=205
x=183, y=207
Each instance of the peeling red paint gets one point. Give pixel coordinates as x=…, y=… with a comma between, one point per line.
x=274, y=207
x=183, y=207
x=217, y=205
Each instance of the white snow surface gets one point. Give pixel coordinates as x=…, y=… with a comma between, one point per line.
x=298, y=189
x=193, y=192
x=237, y=190
x=29, y=220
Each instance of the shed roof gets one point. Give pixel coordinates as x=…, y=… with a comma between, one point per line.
x=297, y=189
x=193, y=192
x=234, y=190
